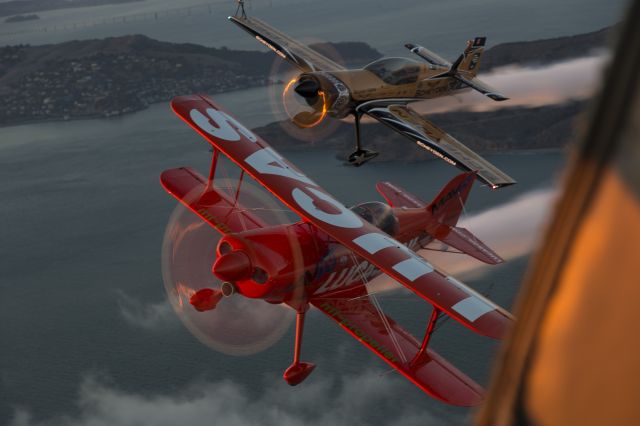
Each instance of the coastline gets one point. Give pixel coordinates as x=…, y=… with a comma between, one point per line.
x=232, y=77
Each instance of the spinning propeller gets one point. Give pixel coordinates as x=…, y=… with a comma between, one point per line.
x=300, y=105
x=199, y=275
x=304, y=102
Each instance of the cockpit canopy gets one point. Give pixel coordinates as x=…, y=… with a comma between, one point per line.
x=378, y=214
x=395, y=71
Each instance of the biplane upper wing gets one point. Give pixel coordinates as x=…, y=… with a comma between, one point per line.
x=315, y=205
x=210, y=203
x=298, y=54
x=357, y=315
x=428, y=136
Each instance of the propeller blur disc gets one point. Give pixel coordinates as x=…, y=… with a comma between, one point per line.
x=301, y=111
x=238, y=325
x=288, y=107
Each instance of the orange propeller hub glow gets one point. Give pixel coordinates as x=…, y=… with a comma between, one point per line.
x=311, y=119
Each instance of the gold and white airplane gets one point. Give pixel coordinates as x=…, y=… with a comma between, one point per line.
x=382, y=90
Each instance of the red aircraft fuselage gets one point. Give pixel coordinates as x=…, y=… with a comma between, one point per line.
x=300, y=261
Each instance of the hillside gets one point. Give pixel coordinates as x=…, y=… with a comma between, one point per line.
x=113, y=76
x=540, y=52
x=119, y=75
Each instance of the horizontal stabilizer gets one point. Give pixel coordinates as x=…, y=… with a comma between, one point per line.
x=481, y=87
x=398, y=197
x=211, y=204
x=466, y=242
x=427, y=55
x=358, y=316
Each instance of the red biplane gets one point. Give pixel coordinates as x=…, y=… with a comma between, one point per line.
x=341, y=249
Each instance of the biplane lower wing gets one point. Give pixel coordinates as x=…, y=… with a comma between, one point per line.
x=428, y=136
x=210, y=203
x=298, y=54
x=358, y=316
x=312, y=203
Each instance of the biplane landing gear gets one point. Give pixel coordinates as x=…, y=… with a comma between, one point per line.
x=298, y=371
x=360, y=156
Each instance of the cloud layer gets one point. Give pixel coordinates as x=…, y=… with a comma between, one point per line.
x=365, y=399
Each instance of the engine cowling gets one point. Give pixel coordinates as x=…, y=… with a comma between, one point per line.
x=268, y=263
x=322, y=93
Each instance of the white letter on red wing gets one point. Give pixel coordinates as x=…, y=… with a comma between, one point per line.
x=267, y=162
x=345, y=219
x=223, y=121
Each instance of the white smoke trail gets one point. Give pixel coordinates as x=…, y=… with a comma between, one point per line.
x=557, y=83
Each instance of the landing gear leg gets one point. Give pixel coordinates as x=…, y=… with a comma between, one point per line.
x=360, y=156
x=298, y=371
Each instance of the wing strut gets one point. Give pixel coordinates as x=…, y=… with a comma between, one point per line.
x=235, y=201
x=435, y=314
x=212, y=170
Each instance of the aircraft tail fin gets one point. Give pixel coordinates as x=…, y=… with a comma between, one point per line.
x=447, y=206
x=445, y=211
x=465, y=68
x=442, y=214
x=468, y=63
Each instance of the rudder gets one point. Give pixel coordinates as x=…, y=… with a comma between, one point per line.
x=449, y=204
x=468, y=63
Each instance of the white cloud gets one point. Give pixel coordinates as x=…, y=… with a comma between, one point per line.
x=353, y=400
x=148, y=316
